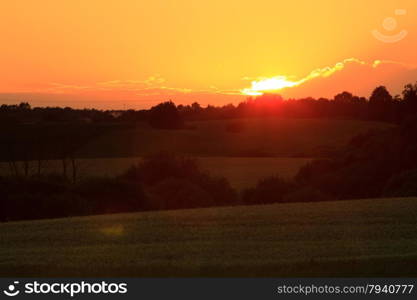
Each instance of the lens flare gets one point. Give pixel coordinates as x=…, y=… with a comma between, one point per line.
x=113, y=230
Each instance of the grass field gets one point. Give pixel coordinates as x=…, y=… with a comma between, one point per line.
x=376, y=237
x=259, y=148
x=267, y=137
x=242, y=172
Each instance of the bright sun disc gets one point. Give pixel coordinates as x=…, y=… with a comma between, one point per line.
x=258, y=87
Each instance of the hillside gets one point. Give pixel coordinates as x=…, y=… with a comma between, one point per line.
x=242, y=172
x=374, y=237
x=239, y=138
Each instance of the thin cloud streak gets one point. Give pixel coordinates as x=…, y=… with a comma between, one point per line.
x=280, y=82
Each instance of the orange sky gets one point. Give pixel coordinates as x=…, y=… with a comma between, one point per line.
x=130, y=53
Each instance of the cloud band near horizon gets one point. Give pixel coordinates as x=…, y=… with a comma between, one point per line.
x=352, y=74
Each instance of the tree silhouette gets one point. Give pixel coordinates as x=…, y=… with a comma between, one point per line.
x=165, y=116
x=343, y=98
x=410, y=95
x=380, y=96
x=380, y=104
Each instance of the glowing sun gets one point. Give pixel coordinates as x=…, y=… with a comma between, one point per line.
x=258, y=87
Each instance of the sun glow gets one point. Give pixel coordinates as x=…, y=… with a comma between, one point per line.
x=264, y=84
x=258, y=87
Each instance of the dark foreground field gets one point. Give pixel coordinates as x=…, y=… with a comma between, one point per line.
x=376, y=237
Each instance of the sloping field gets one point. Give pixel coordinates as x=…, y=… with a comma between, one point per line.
x=242, y=172
x=374, y=237
x=240, y=138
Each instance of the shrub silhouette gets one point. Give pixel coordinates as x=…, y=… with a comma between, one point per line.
x=218, y=188
x=162, y=181
x=371, y=165
x=402, y=185
x=176, y=193
x=53, y=197
x=35, y=198
x=155, y=168
x=111, y=195
x=309, y=171
x=164, y=167
x=268, y=190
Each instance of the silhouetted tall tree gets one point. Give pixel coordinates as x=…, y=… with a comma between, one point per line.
x=410, y=98
x=380, y=104
x=379, y=96
x=165, y=116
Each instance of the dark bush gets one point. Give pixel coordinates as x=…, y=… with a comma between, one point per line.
x=309, y=171
x=268, y=190
x=402, y=185
x=24, y=206
x=110, y=195
x=158, y=167
x=36, y=185
x=40, y=198
x=33, y=198
x=218, y=188
x=164, y=167
x=176, y=193
x=364, y=167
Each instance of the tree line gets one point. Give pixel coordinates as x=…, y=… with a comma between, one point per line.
x=379, y=163
x=160, y=182
x=381, y=106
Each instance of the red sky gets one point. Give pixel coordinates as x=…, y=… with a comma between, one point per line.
x=134, y=54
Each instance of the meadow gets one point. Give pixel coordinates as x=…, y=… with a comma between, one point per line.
x=371, y=237
x=266, y=137
x=241, y=150
x=242, y=172
x=375, y=237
